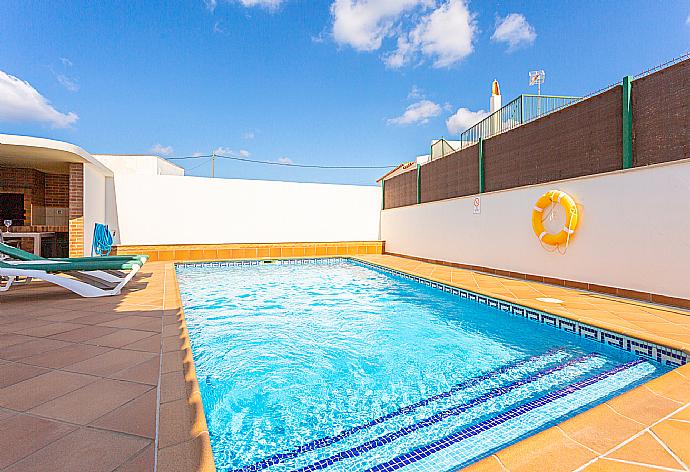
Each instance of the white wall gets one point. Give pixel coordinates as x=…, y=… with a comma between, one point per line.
x=138, y=164
x=94, y=203
x=634, y=230
x=194, y=210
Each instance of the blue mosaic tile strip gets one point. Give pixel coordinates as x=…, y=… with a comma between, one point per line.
x=440, y=416
x=662, y=354
x=327, y=441
x=255, y=262
x=425, y=451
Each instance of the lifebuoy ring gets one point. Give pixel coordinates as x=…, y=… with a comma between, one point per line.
x=571, y=217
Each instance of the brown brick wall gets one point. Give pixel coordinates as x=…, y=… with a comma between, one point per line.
x=401, y=190
x=76, y=210
x=29, y=182
x=455, y=175
x=661, y=115
x=57, y=190
x=583, y=139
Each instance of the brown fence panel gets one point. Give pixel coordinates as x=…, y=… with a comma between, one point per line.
x=400, y=190
x=455, y=175
x=582, y=139
x=661, y=115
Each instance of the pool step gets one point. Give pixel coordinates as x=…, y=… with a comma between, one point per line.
x=446, y=421
x=470, y=400
x=479, y=440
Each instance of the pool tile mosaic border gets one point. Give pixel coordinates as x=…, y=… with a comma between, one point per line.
x=659, y=353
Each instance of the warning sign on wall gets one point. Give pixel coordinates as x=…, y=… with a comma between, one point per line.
x=477, y=209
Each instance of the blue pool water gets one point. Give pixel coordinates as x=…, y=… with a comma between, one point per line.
x=339, y=366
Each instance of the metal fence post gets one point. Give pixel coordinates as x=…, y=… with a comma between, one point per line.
x=419, y=184
x=627, y=123
x=480, y=145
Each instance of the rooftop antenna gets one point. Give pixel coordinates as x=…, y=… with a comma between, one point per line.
x=537, y=77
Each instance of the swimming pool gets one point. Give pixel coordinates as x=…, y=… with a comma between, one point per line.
x=335, y=365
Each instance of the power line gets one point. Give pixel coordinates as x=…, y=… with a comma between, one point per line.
x=284, y=164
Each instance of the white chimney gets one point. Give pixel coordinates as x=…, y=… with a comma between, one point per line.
x=495, y=103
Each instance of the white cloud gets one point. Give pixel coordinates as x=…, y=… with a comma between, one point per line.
x=463, y=119
x=267, y=4
x=285, y=160
x=687, y=20
x=249, y=135
x=441, y=31
x=363, y=24
x=67, y=82
x=417, y=113
x=515, y=31
x=415, y=93
x=446, y=34
x=161, y=150
x=226, y=151
x=66, y=62
x=198, y=154
x=19, y=101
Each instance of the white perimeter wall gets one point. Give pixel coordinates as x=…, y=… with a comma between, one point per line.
x=94, y=203
x=168, y=209
x=634, y=230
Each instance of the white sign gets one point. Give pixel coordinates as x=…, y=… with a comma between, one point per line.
x=477, y=206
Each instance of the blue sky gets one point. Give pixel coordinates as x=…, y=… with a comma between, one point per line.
x=332, y=82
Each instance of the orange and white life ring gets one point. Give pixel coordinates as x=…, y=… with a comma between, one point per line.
x=571, y=217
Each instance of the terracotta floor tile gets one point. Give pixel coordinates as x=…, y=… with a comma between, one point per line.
x=172, y=387
x=645, y=450
x=120, y=338
x=18, y=325
x=682, y=415
x=11, y=373
x=86, y=404
x=144, y=372
x=10, y=339
x=137, y=417
x=129, y=322
x=606, y=465
x=50, y=329
x=555, y=449
x=27, y=394
x=65, y=356
x=110, y=362
x=142, y=462
x=22, y=435
x=676, y=435
x=182, y=457
x=150, y=344
x=671, y=385
x=62, y=315
x=175, y=423
x=172, y=361
x=642, y=405
x=84, y=333
x=490, y=464
x=31, y=348
x=83, y=450
x=600, y=428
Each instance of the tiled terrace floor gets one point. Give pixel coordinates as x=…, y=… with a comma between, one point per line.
x=81, y=381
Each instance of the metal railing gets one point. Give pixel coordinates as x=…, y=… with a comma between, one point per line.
x=523, y=109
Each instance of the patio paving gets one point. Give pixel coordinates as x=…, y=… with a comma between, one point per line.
x=99, y=384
